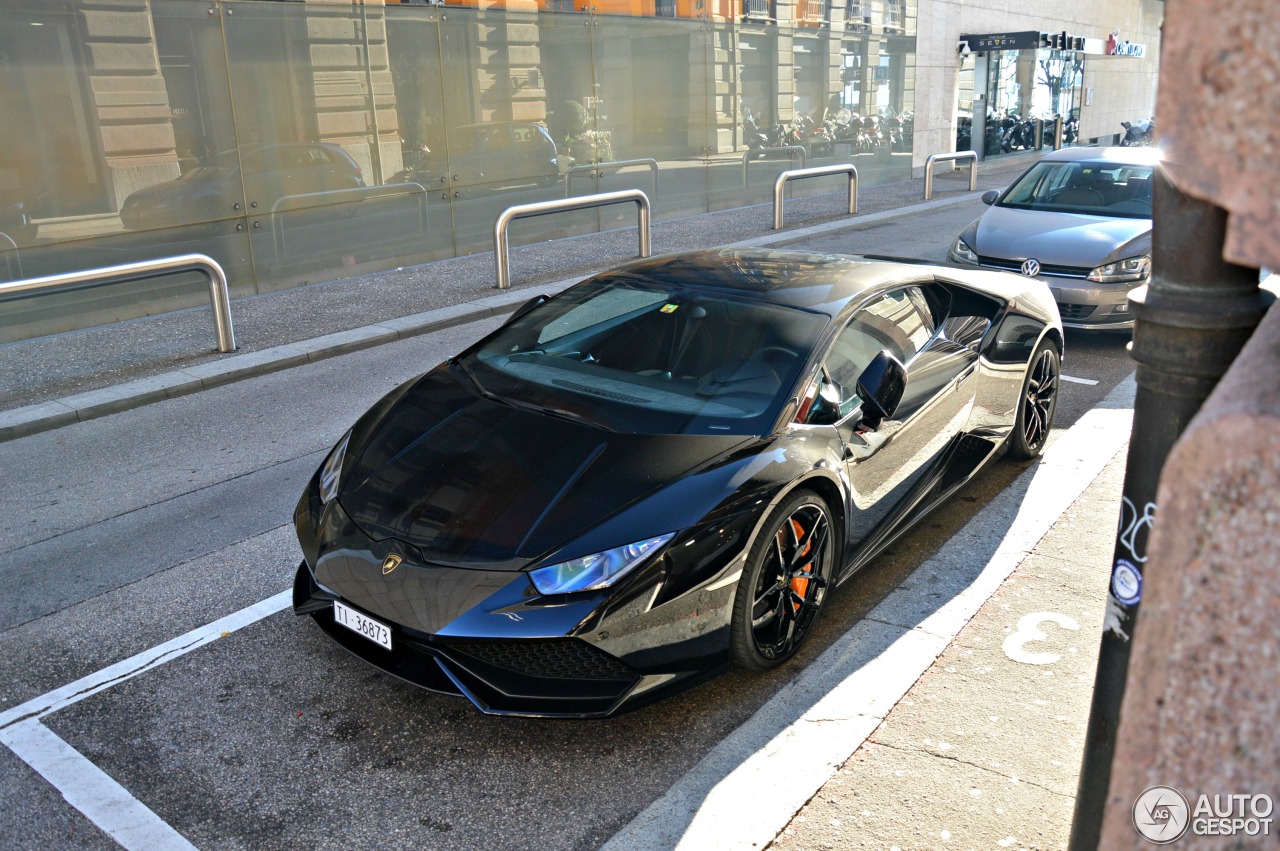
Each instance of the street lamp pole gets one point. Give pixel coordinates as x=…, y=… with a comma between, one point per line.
x=1191, y=322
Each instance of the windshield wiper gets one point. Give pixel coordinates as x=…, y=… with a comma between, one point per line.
x=473, y=380
x=557, y=413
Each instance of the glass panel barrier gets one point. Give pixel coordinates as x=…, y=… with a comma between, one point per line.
x=319, y=154
x=505, y=75
x=414, y=48
x=106, y=114
x=747, y=163
x=296, y=142
x=651, y=99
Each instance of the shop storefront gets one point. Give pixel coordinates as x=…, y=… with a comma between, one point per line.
x=1018, y=91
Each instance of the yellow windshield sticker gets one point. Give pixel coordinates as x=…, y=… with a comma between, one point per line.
x=669, y=308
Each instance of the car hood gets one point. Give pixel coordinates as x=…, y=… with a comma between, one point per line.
x=1058, y=239
x=474, y=482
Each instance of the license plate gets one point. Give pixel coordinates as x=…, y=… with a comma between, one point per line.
x=376, y=631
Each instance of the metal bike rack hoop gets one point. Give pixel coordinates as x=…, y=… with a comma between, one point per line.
x=618, y=164
x=816, y=171
x=17, y=258
x=751, y=155
x=542, y=208
x=934, y=159
x=142, y=270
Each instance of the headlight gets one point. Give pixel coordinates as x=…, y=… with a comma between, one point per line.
x=331, y=472
x=595, y=571
x=962, y=252
x=1130, y=269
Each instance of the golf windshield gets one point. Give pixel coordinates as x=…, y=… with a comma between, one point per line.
x=633, y=357
x=1095, y=188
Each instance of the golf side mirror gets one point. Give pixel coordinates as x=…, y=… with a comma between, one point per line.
x=989, y=197
x=881, y=386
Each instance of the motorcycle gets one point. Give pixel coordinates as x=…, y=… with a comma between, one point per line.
x=754, y=135
x=1008, y=131
x=901, y=131
x=964, y=133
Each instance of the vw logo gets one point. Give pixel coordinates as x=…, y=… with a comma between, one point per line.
x=390, y=563
x=1031, y=267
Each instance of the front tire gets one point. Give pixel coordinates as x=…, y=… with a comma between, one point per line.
x=784, y=583
x=1037, y=403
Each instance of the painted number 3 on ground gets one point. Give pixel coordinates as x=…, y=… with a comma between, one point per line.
x=1029, y=632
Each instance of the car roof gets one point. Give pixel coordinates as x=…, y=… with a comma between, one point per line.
x=1119, y=156
x=821, y=282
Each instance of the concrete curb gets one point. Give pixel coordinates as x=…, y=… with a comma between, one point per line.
x=32, y=419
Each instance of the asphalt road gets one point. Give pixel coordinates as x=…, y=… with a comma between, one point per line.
x=123, y=532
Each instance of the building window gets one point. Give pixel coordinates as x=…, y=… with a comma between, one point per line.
x=758, y=10
x=893, y=16
x=857, y=15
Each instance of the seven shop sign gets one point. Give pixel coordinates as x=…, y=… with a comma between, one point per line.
x=1002, y=41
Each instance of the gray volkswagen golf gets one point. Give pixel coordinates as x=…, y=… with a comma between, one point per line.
x=1079, y=220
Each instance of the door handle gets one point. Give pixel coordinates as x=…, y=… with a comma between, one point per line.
x=964, y=376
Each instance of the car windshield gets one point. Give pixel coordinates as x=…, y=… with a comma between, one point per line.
x=1091, y=187
x=630, y=355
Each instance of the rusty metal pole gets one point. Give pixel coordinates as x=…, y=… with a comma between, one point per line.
x=1191, y=322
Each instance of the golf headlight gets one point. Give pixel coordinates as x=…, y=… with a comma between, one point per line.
x=595, y=571
x=331, y=472
x=961, y=251
x=1129, y=269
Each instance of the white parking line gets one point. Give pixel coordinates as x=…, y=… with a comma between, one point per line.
x=144, y=661
x=85, y=786
x=748, y=787
x=1075, y=380
x=90, y=789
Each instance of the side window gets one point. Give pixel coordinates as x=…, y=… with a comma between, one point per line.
x=897, y=322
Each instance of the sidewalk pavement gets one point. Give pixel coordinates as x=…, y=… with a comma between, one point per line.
x=984, y=750
x=64, y=378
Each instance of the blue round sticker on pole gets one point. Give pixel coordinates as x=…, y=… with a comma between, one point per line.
x=1126, y=582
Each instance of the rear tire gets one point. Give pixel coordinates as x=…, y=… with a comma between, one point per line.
x=784, y=583
x=1037, y=403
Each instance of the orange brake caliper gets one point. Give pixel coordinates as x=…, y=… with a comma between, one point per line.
x=801, y=584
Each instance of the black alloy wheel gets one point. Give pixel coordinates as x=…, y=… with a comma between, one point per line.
x=784, y=583
x=1037, y=403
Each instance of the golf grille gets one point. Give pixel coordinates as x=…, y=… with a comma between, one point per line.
x=1045, y=268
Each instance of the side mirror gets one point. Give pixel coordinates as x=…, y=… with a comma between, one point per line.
x=881, y=386
x=989, y=197
x=536, y=301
